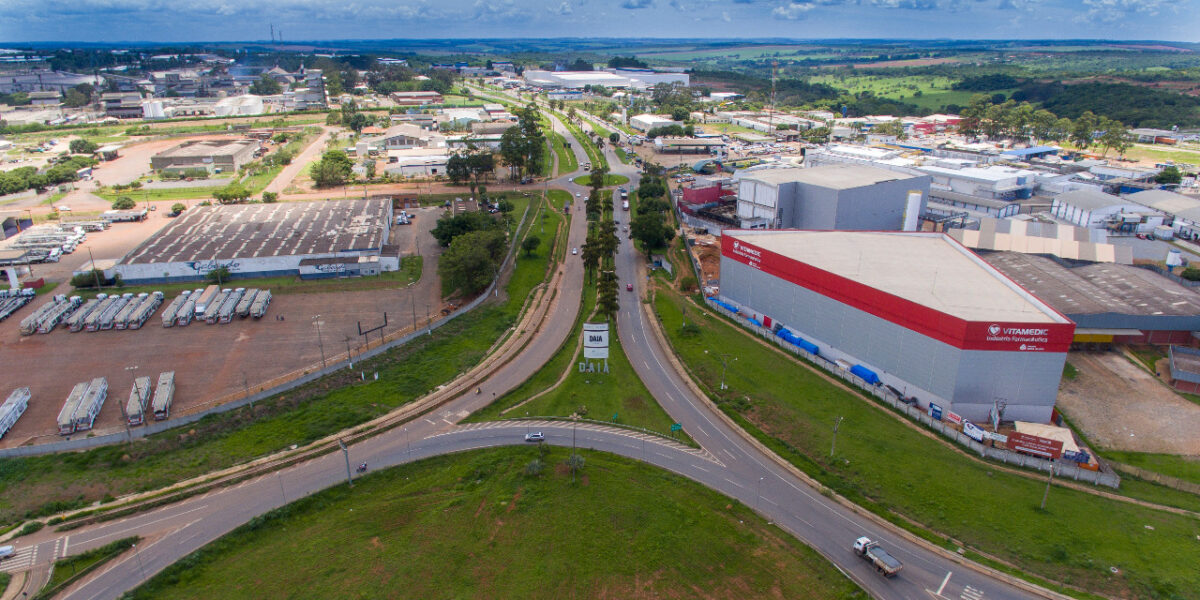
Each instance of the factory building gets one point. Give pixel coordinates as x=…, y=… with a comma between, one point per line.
x=639, y=79
x=918, y=311
x=213, y=155
x=267, y=240
x=831, y=197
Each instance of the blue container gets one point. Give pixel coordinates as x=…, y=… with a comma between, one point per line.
x=865, y=374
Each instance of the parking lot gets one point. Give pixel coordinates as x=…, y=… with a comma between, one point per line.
x=212, y=363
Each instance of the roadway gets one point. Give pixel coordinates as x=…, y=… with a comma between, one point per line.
x=728, y=462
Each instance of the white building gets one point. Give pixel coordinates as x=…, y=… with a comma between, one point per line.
x=646, y=122
x=611, y=78
x=964, y=177
x=1093, y=209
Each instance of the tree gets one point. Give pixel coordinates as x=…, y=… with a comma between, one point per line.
x=82, y=146
x=74, y=99
x=449, y=228
x=332, y=170
x=531, y=243
x=607, y=302
x=124, y=203
x=1114, y=136
x=179, y=207
x=679, y=114
x=651, y=231
x=614, y=137
x=471, y=260
x=265, y=86
x=270, y=197
x=232, y=194
x=513, y=149
x=1169, y=174
x=458, y=170
x=1083, y=130
x=218, y=275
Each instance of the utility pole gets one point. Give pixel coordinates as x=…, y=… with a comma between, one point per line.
x=125, y=415
x=1048, y=480
x=348, y=359
x=836, y=424
x=573, y=455
x=246, y=390
x=724, y=366
x=317, y=320
x=95, y=272
x=346, y=455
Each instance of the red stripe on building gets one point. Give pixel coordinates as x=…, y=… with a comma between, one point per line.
x=952, y=330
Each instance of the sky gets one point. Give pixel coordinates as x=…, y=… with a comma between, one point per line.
x=246, y=20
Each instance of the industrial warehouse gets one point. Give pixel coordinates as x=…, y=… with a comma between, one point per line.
x=916, y=311
x=337, y=238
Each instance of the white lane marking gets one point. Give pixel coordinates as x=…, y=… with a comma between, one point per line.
x=970, y=593
x=944, y=582
x=147, y=523
x=735, y=483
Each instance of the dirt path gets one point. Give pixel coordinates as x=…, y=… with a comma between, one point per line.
x=1121, y=406
x=309, y=154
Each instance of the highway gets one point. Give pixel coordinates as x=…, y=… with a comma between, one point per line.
x=728, y=462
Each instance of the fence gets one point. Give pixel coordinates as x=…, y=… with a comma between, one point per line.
x=884, y=395
x=1159, y=478
x=86, y=443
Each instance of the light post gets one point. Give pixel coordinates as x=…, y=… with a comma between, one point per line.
x=321, y=344
x=836, y=424
x=758, y=495
x=348, y=360
x=724, y=367
x=346, y=455
x=141, y=567
x=124, y=414
x=1050, y=478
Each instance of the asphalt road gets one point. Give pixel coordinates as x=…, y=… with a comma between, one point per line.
x=727, y=463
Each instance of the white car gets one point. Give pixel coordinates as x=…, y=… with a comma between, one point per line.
x=578, y=195
x=574, y=250
x=7, y=552
x=535, y=437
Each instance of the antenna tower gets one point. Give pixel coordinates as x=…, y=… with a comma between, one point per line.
x=771, y=109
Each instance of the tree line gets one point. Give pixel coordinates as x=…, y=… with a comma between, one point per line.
x=1024, y=123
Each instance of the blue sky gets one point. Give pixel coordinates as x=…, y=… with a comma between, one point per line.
x=213, y=20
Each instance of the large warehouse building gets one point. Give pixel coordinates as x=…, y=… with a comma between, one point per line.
x=922, y=312
x=311, y=239
x=211, y=155
x=831, y=197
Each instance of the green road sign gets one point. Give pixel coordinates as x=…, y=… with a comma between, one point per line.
x=676, y=427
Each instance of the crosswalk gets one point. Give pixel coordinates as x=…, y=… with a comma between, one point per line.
x=23, y=561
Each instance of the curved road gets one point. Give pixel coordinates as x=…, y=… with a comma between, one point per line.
x=727, y=463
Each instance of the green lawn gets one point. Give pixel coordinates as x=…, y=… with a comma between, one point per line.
x=566, y=158
x=893, y=469
x=485, y=524
x=1182, y=467
x=44, y=485
x=73, y=568
x=609, y=180
x=926, y=91
x=623, y=156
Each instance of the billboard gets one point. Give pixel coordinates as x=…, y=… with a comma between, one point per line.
x=972, y=430
x=1037, y=446
x=595, y=340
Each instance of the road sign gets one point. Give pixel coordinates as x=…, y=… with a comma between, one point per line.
x=676, y=427
x=595, y=340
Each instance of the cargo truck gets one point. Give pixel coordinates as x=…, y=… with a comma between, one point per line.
x=76, y=321
x=229, y=306
x=163, y=394
x=872, y=552
x=89, y=407
x=206, y=298
x=29, y=325
x=243, y=305
x=144, y=310
x=13, y=408
x=261, y=302
x=214, y=307
x=121, y=320
x=172, y=309
x=59, y=314
x=92, y=322
x=66, y=416
x=139, y=400
x=109, y=317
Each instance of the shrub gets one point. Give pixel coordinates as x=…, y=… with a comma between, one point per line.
x=124, y=203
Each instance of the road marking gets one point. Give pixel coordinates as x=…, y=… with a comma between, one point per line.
x=735, y=483
x=970, y=593
x=141, y=525
x=944, y=582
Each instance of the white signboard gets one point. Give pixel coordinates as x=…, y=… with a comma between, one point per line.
x=595, y=340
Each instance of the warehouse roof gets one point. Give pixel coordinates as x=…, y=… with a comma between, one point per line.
x=926, y=268
x=838, y=177
x=1169, y=202
x=1091, y=199
x=266, y=230
x=208, y=148
x=1098, y=288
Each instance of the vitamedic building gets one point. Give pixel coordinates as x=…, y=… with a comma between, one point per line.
x=921, y=311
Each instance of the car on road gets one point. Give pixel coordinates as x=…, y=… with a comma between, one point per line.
x=574, y=250
x=578, y=195
x=535, y=437
x=7, y=552
x=629, y=287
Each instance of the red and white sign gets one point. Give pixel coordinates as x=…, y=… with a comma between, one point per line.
x=1035, y=445
x=955, y=331
x=954, y=417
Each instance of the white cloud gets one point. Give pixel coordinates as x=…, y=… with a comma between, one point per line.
x=563, y=9
x=637, y=4
x=1114, y=11
x=792, y=11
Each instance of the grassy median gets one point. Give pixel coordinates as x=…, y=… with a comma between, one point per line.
x=507, y=523
x=908, y=476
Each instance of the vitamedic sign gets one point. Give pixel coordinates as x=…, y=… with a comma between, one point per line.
x=958, y=332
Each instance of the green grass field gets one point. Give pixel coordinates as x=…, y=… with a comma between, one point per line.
x=934, y=90
x=1182, y=467
x=609, y=180
x=43, y=485
x=594, y=154
x=483, y=525
x=894, y=469
x=566, y=159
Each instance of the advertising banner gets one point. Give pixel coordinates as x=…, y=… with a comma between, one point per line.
x=595, y=340
x=954, y=418
x=972, y=430
x=1037, y=446
x=935, y=411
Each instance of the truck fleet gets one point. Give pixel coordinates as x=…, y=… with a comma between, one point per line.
x=13, y=408
x=130, y=311
x=12, y=300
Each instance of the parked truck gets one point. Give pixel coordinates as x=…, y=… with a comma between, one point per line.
x=66, y=416
x=172, y=309
x=229, y=306
x=121, y=320
x=29, y=325
x=163, y=394
x=148, y=305
x=243, y=305
x=188, y=311
x=13, y=408
x=139, y=400
x=872, y=552
x=89, y=407
x=60, y=313
x=78, y=319
x=261, y=302
x=210, y=314
x=206, y=298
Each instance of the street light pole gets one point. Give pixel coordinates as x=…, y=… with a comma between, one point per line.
x=317, y=320
x=836, y=424
x=724, y=367
x=1048, y=480
x=346, y=455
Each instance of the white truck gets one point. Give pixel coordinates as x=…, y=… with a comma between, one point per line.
x=261, y=301
x=885, y=564
x=13, y=408
x=243, y=305
x=89, y=407
x=172, y=309
x=163, y=394
x=139, y=399
x=66, y=417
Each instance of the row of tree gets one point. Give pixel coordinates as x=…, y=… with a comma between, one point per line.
x=600, y=249
x=1024, y=123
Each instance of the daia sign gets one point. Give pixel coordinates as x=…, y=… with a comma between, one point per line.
x=595, y=340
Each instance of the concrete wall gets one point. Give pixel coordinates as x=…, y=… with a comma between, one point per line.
x=181, y=271
x=965, y=381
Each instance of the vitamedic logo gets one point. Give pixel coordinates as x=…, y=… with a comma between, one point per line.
x=994, y=330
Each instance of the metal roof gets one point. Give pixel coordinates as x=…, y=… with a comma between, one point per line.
x=838, y=177
x=1090, y=199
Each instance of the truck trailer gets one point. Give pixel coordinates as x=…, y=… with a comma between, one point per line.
x=142, y=313
x=243, y=305
x=121, y=320
x=89, y=407
x=76, y=321
x=210, y=313
x=13, y=408
x=172, y=309
x=884, y=563
x=66, y=416
x=206, y=298
x=163, y=394
x=139, y=400
x=29, y=325
x=229, y=306
x=261, y=301
x=59, y=314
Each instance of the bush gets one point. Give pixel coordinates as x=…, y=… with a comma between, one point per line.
x=30, y=527
x=270, y=197
x=124, y=203
x=1191, y=274
x=178, y=207
x=82, y=146
x=89, y=279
